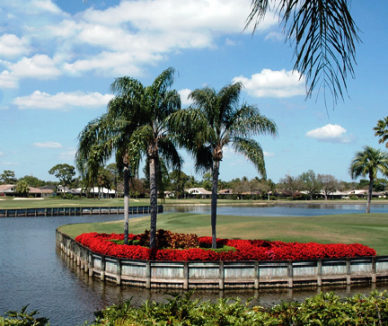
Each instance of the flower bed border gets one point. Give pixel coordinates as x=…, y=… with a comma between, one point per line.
x=224, y=275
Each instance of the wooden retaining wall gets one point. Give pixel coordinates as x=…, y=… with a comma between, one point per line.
x=68, y=211
x=224, y=275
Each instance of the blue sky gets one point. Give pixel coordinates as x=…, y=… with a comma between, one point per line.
x=58, y=59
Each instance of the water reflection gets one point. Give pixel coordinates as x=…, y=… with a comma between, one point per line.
x=288, y=209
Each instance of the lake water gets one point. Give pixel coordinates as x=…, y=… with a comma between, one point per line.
x=33, y=271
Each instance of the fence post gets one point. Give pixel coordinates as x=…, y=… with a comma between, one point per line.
x=221, y=275
x=257, y=276
x=290, y=274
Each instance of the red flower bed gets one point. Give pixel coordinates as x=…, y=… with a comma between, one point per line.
x=245, y=249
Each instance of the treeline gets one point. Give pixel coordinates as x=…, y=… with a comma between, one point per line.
x=177, y=182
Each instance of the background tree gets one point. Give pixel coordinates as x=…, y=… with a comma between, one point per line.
x=381, y=131
x=310, y=183
x=367, y=163
x=112, y=173
x=324, y=35
x=329, y=184
x=8, y=178
x=64, y=172
x=290, y=183
x=207, y=181
x=214, y=120
x=22, y=188
x=33, y=181
x=178, y=181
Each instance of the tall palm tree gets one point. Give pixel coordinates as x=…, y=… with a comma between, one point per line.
x=381, y=130
x=215, y=120
x=135, y=125
x=324, y=34
x=151, y=107
x=100, y=139
x=369, y=162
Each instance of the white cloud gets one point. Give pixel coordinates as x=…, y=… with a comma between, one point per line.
x=46, y=5
x=184, y=93
x=39, y=67
x=268, y=154
x=67, y=155
x=271, y=83
x=59, y=101
x=1, y=153
x=7, y=80
x=48, y=144
x=12, y=46
x=330, y=133
x=9, y=163
x=275, y=36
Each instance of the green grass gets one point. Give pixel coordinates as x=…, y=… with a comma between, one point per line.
x=10, y=203
x=368, y=229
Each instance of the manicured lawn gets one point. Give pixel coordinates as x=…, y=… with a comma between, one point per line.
x=368, y=229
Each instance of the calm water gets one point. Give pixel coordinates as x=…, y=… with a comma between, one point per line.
x=283, y=209
x=33, y=271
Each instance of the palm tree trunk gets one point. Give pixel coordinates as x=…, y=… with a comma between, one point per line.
x=126, y=202
x=216, y=169
x=369, y=195
x=153, y=201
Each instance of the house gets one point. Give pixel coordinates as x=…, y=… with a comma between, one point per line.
x=201, y=192
x=9, y=190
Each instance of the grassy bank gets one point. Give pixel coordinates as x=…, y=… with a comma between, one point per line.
x=367, y=229
x=11, y=203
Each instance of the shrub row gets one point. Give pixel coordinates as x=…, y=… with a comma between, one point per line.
x=245, y=249
x=322, y=309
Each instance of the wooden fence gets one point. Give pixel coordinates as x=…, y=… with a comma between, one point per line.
x=224, y=275
x=68, y=211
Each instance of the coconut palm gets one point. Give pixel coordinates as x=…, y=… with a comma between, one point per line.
x=381, y=130
x=369, y=162
x=150, y=107
x=324, y=34
x=215, y=120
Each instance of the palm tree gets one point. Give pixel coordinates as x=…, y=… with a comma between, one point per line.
x=151, y=107
x=381, y=130
x=369, y=162
x=324, y=34
x=135, y=124
x=99, y=140
x=215, y=120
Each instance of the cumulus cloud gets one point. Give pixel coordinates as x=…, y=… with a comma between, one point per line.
x=39, y=67
x=7, y=80
x=330, y=133
x=12, y=46
x=184, y=93
x=59, y=101
x=269, y=83
x=48, y=144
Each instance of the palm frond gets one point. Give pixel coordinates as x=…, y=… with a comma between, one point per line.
x=324, y=34
x=251, y=150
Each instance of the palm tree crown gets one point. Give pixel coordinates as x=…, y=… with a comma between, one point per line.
x=367, y=163
x=381, y=131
